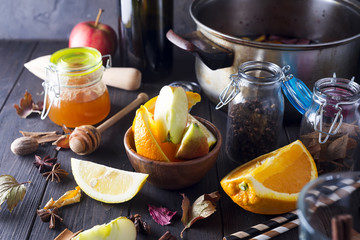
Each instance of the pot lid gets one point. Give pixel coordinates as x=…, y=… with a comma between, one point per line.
x=297, y=93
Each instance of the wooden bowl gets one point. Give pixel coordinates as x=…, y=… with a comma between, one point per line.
x=174, y=175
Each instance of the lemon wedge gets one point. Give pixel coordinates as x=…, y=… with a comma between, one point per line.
x=106, y=184
x=119, y=228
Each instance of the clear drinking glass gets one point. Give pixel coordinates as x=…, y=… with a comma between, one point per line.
x=331, y=195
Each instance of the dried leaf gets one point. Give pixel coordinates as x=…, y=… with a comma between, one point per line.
x=70, y=197
x=11, y=191
x=161, y=215
x=337, y=149
x=202, y=208
x=27, y=106
x=63, y=141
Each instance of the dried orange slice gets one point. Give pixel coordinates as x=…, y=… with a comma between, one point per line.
x=270, y=184
x=145, y=141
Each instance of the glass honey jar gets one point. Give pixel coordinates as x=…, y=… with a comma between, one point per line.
x=75, y=94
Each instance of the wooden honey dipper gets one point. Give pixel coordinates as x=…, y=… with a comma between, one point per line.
x=86, y=138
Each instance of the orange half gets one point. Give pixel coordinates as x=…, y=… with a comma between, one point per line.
x=270, y=184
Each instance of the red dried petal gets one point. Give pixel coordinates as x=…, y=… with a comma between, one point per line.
x=161, y=215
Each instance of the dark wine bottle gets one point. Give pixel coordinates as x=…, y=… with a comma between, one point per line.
x=143, y=25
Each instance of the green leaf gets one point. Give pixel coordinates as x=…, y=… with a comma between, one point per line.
x=11, y=191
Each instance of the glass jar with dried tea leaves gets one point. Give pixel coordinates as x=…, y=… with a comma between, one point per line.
x=255, y=110
x=330, y=128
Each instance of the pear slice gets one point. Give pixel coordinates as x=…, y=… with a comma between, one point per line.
x=210, y=136
x=194, y=143
x=119, y=228
x=171, y=114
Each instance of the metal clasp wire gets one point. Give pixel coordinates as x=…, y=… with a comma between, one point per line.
x=230, y=92
x=48, y=87
x=338, y=114
x=320, y=121
x=108, y=61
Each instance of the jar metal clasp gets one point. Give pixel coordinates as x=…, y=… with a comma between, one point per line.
x=50, y=87
x=337, y=119
x=232, y=89
x=229, y=92
x=319, y=121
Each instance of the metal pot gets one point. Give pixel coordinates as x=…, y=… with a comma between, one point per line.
x=334, y=26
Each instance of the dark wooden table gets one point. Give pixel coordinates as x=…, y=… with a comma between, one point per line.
x=23, y=223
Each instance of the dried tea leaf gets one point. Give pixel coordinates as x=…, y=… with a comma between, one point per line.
x=70, y=197
x=11, y=191
x=161, y=215
x=27, y=106
x=337, y=149
x=202, y=208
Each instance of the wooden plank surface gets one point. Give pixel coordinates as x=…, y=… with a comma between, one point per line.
x=23, y=223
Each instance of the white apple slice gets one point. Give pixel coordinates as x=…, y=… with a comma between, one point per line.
x=209, y=135
x=171, y=114
x=119, y=228
x=194, y=143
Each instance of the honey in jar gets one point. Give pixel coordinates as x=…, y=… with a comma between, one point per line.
x=75, y=94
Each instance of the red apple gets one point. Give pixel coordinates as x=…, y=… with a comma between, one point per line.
x=94, y=34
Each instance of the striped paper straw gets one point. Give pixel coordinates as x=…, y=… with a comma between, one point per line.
x=258, y=229
x=277, y=231
x=331, y=193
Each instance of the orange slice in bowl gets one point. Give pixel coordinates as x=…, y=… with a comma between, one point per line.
x=270, y=184
x=145, y=140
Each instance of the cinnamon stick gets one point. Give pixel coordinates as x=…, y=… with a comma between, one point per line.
x=341, y=227
x=167, y=236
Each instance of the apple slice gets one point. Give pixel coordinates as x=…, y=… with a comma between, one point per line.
x=171, y=114
x=209, y=135
x=119, y=228
x=194, y=143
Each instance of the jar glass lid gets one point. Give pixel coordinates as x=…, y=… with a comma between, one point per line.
x=80, y=60
x=297, y=93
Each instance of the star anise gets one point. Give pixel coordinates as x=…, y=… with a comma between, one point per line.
x=51, y=215
x=44, y=165
x=56, y=173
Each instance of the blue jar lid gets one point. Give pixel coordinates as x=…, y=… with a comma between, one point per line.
x=297, y=93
